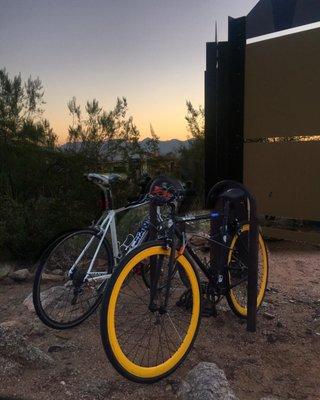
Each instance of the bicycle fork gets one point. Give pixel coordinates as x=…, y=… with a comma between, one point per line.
x=155, y=271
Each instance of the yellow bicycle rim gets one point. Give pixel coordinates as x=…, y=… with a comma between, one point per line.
x=163, y=368
x=261, y=290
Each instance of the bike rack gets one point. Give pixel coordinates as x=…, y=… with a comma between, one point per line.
x=214, y=196
x=217, y=191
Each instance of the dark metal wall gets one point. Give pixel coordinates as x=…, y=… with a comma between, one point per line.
x=224, y=106
x=283, y=86
x=266, y=92
x=210, y=102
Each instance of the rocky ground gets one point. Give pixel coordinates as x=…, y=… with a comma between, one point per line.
x=281, y=359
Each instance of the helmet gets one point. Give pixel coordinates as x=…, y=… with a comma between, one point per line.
x=166, y=190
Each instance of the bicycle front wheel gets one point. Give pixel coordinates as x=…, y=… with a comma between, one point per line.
x=237, y=273
x=146, y=343
x=62, y=300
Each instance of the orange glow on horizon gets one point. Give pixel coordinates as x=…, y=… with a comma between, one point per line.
x=174, y=127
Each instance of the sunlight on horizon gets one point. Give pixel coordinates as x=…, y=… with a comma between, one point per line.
x=151, y=53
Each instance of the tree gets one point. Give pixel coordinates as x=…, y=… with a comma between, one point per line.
x=152, y=144
x=192, y=156
x=195, y=120
x=103, y=134
x=21, y=110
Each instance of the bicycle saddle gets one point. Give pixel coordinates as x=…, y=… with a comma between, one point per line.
x=106, y=179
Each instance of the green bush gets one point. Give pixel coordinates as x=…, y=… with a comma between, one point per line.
x=42, y=194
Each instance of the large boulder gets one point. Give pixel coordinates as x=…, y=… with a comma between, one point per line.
x=20, y=275
x=52, y=278
x=206, y=382
x=53, y=295
x=14, y=347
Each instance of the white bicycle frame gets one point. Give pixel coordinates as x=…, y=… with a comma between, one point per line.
x=106, y=222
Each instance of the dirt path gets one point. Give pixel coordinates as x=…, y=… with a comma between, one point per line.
x=282, y=358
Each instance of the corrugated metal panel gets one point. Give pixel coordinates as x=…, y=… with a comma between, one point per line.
x=282, y=89
x=284, y=177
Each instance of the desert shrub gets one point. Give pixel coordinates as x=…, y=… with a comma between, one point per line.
x=42, y=192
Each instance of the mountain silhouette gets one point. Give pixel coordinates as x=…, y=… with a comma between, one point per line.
x=165, y=146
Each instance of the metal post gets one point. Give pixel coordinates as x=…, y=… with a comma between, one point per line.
x=253, y=267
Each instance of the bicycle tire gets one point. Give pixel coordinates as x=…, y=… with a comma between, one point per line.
x=109, y=324
x=37, y=301
x=237, y=304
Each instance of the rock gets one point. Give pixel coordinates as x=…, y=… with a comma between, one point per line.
x=49, y=296
x=271, y=338
x=279, y=324
x=52, y=278
x=38, y=328
x=174, y=385
x=206, y=382
x=28, y=302
x=55, y=348
x=99, y=388
x=199, y=241
x=268, y=316
x=65, y=335
x=12, y=324
x=5, y=270
x=15, y=348
x=57, y=272
x=21, y=275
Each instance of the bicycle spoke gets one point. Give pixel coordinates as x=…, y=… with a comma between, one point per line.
x=61, y=309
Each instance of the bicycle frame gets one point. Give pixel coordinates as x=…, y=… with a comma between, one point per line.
x=214, y=275
x=105, y=223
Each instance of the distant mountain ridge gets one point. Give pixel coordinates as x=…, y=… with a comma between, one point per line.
x=168, y=146
x=165, y=146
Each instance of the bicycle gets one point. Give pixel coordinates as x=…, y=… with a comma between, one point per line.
x=74, y=268
x=146, y=331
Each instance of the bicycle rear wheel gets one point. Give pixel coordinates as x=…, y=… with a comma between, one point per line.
x=61, y=301
x=237, y=274
x=145, y=344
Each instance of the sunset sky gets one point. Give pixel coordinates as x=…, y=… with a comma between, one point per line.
x=151, y=51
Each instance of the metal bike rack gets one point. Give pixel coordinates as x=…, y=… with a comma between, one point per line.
x=216, y=193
